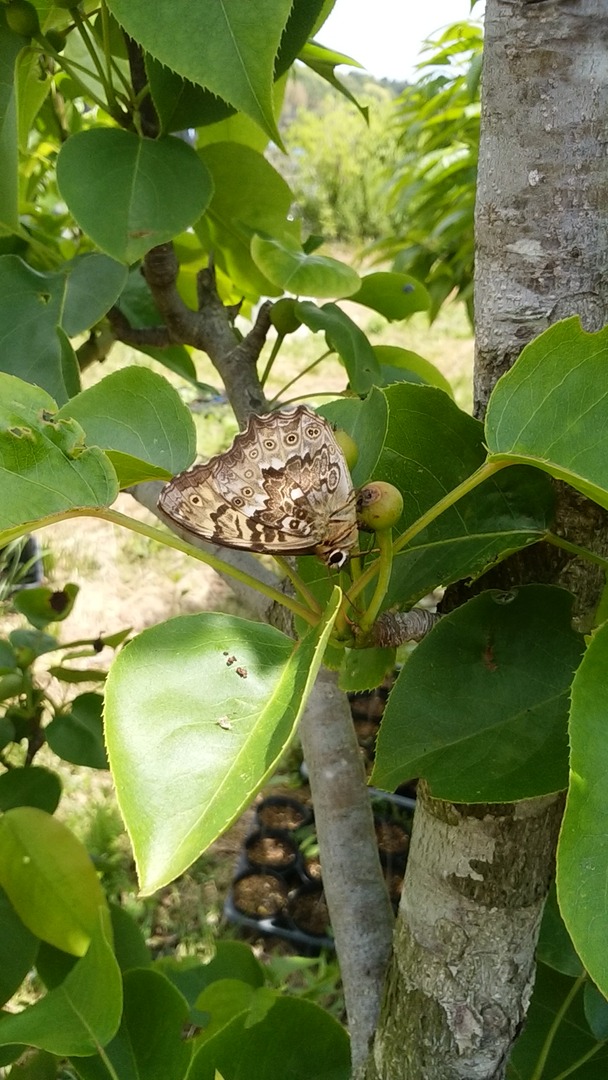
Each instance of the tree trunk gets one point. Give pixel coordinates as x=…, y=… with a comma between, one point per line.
x=541, y=223
x=463, y=965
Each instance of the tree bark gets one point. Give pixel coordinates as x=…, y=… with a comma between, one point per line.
x=462, y=970
x=463, y=965
x=541, y=222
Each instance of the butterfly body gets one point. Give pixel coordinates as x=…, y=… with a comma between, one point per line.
x=282, y=488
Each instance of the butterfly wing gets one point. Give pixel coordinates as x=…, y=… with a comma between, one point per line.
x=283, y=488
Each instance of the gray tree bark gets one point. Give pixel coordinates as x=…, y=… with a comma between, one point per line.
x=463, y=964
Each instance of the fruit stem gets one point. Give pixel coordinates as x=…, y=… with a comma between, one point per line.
x=384, y=540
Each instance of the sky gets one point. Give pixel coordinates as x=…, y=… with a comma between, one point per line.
x=385, y=35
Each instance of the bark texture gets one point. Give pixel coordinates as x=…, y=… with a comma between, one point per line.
x=462, y=970
x=463, y=966
x=541, y=215
x=360, y=911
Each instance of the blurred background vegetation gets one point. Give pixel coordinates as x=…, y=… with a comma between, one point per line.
x=401, y=186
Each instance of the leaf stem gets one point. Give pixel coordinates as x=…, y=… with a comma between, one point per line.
x=297, y=583
x=97, y=64
x=484, y=472
x=271, y=359
x=301, y=374
x=169, y=540
x=581, y=1061
x=314, y=394
x=559, y=1016
x=576, y=549
x=71, y=68
x=111, y=65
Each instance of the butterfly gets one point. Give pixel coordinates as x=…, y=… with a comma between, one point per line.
x=282, y=488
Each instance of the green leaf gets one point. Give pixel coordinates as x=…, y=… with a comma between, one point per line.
x=366, y=422
x=53, y=965
x=33, y=85
x=431, y=447
x=232, y=960
x=77, y=735
x=324, y=62
x=294, y=1039
x=37, y=1066
x=569, y=1045
x=130, y=947
x=224, y=1000
x=290, y=268
x=49, y=878
x=364, y=669
x=130, y=194
x=555, y=946
x=249, y=196
x=31, y=345
x=10, y=46
x=344, y=337
x=42, y=605
x=138, y=413
x=149, y=1042
x=93, y=282
x=399, y=364
x=8, y=658
x=30, y=786
x=582, y=863
x=396, y=296
x=77, y=675
x=164, y=735
x=494, y=727
x=542, y=411
x=29, y=644
x=181, y=104
x=230, y=49
x=80, y=1015
x=45, y=468
x=18, y=948
x=596, y=1011
x=11, y=685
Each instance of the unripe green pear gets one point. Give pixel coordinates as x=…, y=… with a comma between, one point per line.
x=56, y=40
x=348, y=447
x=379, y=506
x=22, y=18
x=283, y=316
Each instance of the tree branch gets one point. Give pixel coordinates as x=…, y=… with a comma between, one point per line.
x=158, y=336
x=211, y=330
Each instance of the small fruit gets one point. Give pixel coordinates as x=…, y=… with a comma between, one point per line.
x=348, y=447
x=379, y=506
x=283, y=316
x=56, y=40
x=22, y=18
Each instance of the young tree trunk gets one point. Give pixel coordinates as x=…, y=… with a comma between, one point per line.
x=463, y=965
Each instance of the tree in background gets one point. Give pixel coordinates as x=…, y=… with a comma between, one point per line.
x=339, y=161
x=431, y=188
